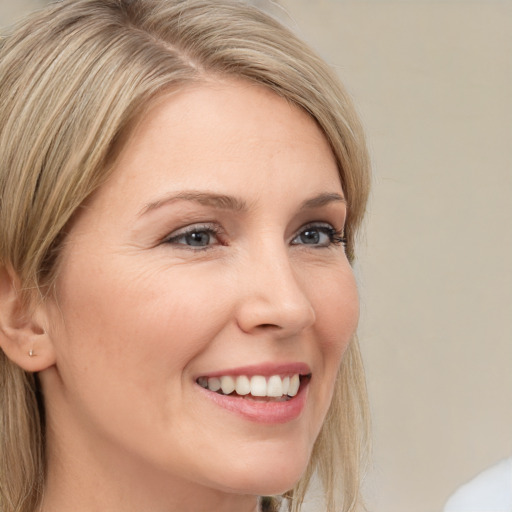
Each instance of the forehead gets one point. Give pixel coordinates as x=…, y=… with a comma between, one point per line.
x=224, y=135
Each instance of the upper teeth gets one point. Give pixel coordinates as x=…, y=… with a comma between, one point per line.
x=273, y=386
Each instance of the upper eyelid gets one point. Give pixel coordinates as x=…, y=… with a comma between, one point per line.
x=207, y=226
x=317, y=224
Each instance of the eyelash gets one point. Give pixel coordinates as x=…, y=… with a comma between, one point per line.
x=335, y=237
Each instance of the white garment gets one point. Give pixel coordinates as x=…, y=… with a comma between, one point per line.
x=490, y=491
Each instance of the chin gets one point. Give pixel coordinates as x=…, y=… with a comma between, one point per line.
x=265, y=485
x=273, y=476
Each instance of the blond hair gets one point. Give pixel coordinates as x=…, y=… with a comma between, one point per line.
x=73, y=79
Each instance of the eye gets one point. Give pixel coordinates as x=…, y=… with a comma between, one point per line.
x=200, y=237
x=319, y=235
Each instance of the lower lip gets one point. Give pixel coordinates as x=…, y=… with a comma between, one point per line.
x=262, y=412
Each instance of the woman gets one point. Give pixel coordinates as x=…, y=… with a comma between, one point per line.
x=181, y=184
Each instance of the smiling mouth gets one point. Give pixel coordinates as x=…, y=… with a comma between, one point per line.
x=275, y=388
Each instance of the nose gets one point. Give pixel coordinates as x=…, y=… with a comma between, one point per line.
x=273, y=298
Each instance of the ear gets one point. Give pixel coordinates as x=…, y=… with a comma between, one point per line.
x=23, y=336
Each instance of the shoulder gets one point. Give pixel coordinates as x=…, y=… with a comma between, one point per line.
x=490, y=491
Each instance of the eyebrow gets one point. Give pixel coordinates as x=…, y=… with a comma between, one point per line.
x=227, y=202
x=322, y=200
x=219, y=201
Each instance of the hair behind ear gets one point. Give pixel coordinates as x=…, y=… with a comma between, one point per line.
x=21, y=439
x=21, y=446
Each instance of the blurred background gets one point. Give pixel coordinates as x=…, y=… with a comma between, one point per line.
x=432, y=80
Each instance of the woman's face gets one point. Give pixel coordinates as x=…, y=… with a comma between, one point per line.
x=211, y=257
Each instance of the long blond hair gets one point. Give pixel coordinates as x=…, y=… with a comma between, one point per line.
x=73, y=78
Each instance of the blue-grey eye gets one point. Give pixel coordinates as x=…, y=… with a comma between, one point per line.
x=314, y=235
x=320, y=236
x=310, y=236
x=197, y=238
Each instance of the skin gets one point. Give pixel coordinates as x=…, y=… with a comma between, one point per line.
x=140, y=314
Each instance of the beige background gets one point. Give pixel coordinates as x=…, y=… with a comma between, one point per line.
x=433, y=82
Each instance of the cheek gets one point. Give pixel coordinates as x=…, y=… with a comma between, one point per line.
x=124, y=336
x=336, y=305
x=337, y=313
x=180, y=309
x=161, y=316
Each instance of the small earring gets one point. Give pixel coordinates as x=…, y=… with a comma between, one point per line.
x=31, y=352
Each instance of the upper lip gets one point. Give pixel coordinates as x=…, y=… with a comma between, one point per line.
x=263, y=369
